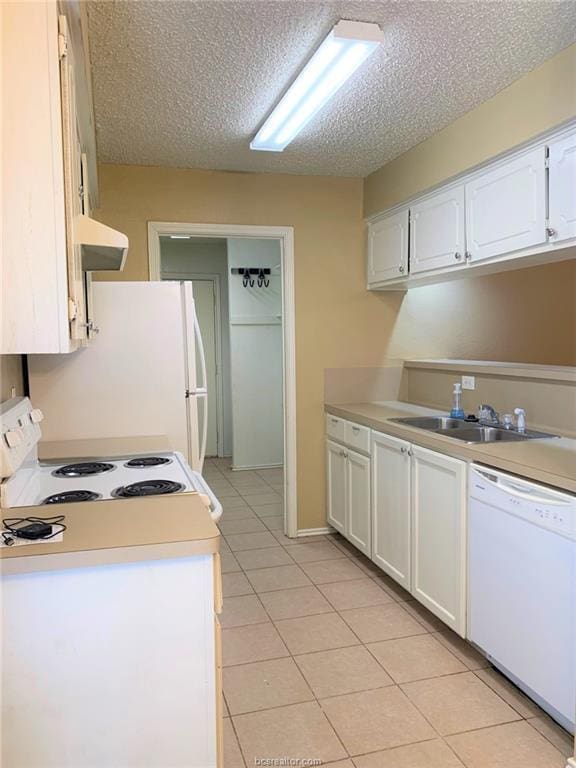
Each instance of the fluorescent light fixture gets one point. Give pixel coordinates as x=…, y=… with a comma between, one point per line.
x=340, y=54
x=180, y=237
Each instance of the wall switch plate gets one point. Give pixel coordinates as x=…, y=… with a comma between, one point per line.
x=468, y=382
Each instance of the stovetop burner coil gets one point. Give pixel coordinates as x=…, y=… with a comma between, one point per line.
x=83, y=469
x=148, y=461
x=148, y=488
x=68, y=497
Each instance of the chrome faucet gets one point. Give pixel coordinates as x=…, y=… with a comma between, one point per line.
x=488, y=415
x=520, y=414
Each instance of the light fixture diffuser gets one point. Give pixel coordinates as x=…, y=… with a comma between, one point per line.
x=340, y=54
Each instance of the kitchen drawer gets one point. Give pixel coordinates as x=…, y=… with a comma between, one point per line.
x=357, y=437
x=335, y=427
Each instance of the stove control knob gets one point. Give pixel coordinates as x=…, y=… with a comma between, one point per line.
x=36, y=416
x=13, y=438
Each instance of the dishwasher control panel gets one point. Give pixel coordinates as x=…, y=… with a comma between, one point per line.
x=543, y=506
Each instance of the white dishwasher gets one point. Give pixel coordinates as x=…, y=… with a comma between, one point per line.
x=522, y=585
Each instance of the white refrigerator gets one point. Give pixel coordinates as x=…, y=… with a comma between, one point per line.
x=144, y=373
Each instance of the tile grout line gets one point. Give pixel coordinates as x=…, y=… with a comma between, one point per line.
x=429, y=632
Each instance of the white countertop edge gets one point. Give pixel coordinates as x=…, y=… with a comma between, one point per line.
x=110, y=556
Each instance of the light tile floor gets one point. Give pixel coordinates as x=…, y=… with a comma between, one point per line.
x=327, y=658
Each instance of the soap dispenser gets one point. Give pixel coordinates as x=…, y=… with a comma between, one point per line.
x=457, y=411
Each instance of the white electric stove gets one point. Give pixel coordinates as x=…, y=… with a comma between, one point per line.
x=28, y=482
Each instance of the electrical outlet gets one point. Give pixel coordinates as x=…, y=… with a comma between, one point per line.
x=468, y=382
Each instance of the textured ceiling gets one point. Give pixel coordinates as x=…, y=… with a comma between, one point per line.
x=187, y=83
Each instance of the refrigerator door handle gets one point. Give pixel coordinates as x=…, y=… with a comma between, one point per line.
x=198, y=392
x=203, y=390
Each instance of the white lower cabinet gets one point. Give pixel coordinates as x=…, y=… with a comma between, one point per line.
x=439, y=535
x=348, y=494
x=336, y=486
x=391, y=506
x=419, y=524
x=358, y=501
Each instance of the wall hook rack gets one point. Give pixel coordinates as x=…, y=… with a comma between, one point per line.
x=247, y=276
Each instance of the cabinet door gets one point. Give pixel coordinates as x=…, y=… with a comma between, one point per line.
x=506, y=207
x=388, y=248
x=439, y=535
x=437, y=231
x=391, y=506
x=73, y=192
x=336, y=486
x=358, y=501
x=562, y=189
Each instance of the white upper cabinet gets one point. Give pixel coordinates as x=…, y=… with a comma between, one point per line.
x=34, y=275
x=437, y=231
x=388, y=248
x=518, y=210
x=562, y=189
x=506, y=207
x=48, y=241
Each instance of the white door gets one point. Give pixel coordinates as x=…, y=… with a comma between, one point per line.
x=506, y=207
x=358, y=501
x=562, y=189
x=391, y=506
x=388, y=248
x=336, y=486
x=437, y=231
x=439, y=535
x=205, y=303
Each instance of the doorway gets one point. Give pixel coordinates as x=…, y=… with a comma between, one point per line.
x=258, y=351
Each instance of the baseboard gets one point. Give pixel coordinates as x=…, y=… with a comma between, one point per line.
x=314, y=531
x=256, y=467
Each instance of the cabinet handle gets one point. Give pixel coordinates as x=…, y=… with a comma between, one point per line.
x=457, y=256
x=403, y=449
x=334, y=421
x=467, y=255
x=551, y=232
x=355, y=430
x=400, y=268
x=344, y=454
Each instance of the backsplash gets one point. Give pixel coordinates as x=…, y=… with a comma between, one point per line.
x=10, y=376
x=547, y=393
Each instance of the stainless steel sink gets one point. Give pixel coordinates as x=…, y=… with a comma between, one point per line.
x=467, y=431
x=431, y=423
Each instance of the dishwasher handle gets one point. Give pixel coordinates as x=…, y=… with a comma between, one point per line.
x=527, y=491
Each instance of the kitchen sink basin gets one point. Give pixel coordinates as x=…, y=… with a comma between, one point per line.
x=432, y=423
x=469, y=431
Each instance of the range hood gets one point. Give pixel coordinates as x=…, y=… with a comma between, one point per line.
x=103, y=248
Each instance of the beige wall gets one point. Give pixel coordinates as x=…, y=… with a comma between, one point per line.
x=10, y=376
x=525, y=316
x=338, y=323
x=537, y=102
x=528, y=315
